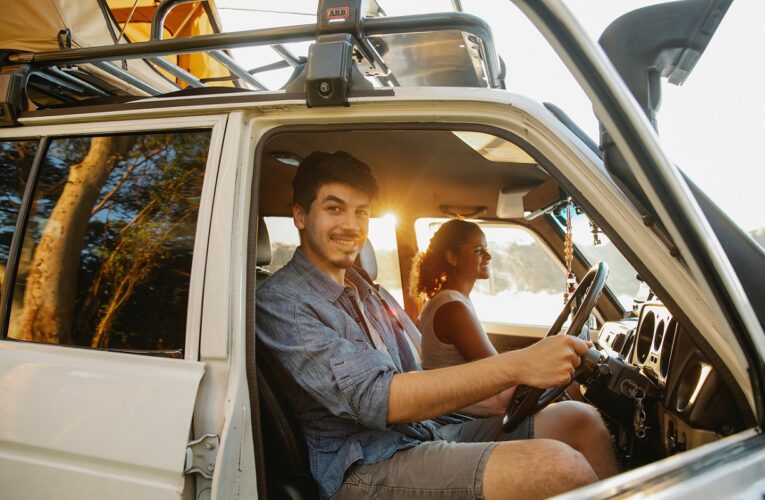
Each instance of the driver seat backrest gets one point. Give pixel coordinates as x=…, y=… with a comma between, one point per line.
x=262, y=252
x=287, y=474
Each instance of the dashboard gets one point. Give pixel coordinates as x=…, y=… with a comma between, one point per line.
x=684, y=398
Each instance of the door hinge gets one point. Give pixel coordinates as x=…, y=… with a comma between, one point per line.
x=201, y=454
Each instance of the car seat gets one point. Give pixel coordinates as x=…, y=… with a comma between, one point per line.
x=283, y=452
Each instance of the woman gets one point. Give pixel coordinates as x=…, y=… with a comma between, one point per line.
x=444, y=275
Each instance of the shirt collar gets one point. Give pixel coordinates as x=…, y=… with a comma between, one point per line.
x=322, y=283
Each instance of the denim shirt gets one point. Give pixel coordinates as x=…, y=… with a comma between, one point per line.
x=340, y=382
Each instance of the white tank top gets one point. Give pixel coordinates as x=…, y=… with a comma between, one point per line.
x=436, y=354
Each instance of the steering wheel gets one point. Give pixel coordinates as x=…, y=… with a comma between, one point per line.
x=529, y=400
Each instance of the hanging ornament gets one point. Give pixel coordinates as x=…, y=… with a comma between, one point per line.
x=568, y=256
x=595, y=233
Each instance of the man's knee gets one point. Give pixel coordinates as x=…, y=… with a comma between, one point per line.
x=571, y=468
x=583, y=417
x=536, y=468
x=566, y=465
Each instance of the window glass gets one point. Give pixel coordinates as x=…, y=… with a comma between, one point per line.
x=525, y=284
x=15, y=161
x=382, y=234
x=110, y=238
x=595, y=247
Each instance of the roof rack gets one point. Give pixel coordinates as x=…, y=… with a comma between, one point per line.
x=459, y=52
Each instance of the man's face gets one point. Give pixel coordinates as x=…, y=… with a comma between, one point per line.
x=334, y=229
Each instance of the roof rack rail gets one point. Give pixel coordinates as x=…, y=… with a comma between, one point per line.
x=382, y=46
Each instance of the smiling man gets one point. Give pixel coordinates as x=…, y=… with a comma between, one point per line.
x=374, y=424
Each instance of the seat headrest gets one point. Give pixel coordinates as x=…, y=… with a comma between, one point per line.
x=263, y=250
x=366, y=260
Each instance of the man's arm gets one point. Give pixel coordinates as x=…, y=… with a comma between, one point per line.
x=495, y=405
x=349, y=382
x=426, y=394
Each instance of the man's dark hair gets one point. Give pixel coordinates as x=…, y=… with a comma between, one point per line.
x=323, y=168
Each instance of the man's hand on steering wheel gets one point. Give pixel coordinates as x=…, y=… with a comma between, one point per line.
x=552, y=361
x=555, y=360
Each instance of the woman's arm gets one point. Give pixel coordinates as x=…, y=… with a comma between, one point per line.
x=455, y=323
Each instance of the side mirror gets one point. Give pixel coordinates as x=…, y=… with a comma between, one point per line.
x=664, y=40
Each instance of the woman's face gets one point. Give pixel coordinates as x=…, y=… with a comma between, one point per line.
x=473, y=257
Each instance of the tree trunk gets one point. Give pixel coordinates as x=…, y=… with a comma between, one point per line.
x=52, y=280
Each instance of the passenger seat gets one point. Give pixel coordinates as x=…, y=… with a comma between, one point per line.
x=366, y=262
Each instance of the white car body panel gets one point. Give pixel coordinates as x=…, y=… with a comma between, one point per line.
x=724, y=481
x=118, y=423
x=85, y=424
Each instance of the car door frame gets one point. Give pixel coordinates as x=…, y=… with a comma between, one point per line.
x=663, y=184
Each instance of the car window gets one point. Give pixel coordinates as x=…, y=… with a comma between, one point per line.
x=526, y=282
x=15, y=162
x=106, y=258
x=382, y=234
x=595, y=247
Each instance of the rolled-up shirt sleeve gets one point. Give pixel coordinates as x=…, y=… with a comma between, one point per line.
x=352, y=380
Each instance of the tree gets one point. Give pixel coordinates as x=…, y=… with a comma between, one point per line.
x=48, y=297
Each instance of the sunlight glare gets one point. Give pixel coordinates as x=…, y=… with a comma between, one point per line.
x=382, y=231
x=390, y=219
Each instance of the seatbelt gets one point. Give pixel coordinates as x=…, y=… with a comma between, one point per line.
x=412, y=351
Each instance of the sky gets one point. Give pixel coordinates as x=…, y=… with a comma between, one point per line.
x=710, y=127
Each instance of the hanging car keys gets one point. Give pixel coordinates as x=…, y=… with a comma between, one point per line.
x=638, y=422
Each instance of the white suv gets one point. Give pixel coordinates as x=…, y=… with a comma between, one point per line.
x=135, y=225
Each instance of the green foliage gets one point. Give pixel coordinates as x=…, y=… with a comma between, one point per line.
x=15, y=162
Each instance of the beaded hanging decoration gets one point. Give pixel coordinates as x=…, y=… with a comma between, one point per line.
x=568, y=256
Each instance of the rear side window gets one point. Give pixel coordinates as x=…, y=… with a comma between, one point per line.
x=107, y=252
x=15, y=162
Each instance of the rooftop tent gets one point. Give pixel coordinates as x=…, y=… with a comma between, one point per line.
x=34, y=25
x=183, y=20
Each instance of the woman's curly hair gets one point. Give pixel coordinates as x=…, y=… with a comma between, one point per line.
x=430, y=268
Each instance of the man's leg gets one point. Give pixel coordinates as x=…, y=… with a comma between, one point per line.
x=580, y=426
x=521, y=465
x=535, y=468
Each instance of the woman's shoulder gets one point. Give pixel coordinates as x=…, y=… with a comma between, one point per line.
x=448, y=295
x=441, y=298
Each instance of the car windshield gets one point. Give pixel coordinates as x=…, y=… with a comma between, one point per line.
x=595, y=247
x=718, y=154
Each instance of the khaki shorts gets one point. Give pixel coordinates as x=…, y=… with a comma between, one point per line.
x=451, y=467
